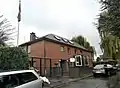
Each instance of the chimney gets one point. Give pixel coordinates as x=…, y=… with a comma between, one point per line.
x=32, y=36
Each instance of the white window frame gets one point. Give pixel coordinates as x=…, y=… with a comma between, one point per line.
x=76, y=62
x=62, y=48
x=29, y=49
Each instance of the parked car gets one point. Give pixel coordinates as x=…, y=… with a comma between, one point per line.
x=103, y=69
x=21, y=79
x=118, y=67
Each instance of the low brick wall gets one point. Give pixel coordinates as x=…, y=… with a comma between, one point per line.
x=73, y=72
x=79, y=71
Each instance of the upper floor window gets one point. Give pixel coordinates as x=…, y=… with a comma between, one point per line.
x=68, y=49
x=75, y=51
x=62, y=48
x=81, y=51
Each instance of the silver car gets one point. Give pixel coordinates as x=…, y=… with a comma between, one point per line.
x=105, y=69
x=21, y=79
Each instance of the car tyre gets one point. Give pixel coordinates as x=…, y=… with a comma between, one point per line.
x=109, y=73
x=42, y=85
x=94, y=75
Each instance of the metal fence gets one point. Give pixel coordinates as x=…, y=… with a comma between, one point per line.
x=47, y=66
x=54, y=68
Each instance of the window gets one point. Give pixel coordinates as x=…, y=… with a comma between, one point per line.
x=14, y=80
x=29, y=49
x=71, y=42
x=81, y=51
x=62, y=48
x=68, y=49
x=88, y=58
x=85, y=60
x=65, y=40
x=9, y=81
x=57, y=37
x=26, y=77
x=75, y=51
x=78, y=60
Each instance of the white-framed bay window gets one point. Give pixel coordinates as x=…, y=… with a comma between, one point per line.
x=78, y=60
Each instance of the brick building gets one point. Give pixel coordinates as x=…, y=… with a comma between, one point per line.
x=55, y=51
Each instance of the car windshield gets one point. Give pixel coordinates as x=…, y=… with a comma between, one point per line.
x=99, y=66
x=102, y=65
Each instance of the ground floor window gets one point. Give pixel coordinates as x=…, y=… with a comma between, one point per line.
x=78, y=60
x=81, y=60
x=86, y=61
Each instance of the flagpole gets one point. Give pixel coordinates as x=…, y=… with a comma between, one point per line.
x=19, y=19
x=18, y=34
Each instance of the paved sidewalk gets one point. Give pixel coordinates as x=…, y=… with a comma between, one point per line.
x=56, y=83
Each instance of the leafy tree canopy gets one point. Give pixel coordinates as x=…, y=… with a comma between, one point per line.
x=13, y=58
x=6, y=30
x=109, y=28
x=112, y=20
x=83, y=42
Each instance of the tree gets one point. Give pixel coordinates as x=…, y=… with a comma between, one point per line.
x=112, y=7
x=5, y=30
x=110, y=43
x=13, y=58
x=79, y=39
x=83, y=42
x=98, y=59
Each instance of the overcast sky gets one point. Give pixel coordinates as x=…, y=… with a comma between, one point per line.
x=66, y=18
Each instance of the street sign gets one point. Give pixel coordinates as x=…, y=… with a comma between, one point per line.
x=72, y=59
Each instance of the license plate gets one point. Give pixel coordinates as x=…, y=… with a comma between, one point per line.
x=98, y=71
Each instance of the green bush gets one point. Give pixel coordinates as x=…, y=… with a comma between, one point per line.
x=13, y=58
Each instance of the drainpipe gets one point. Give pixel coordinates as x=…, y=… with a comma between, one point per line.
x=44, y=58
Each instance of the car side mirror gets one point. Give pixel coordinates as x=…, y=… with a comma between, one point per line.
x=45, y=79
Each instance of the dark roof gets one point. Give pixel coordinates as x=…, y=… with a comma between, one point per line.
x=56, y=38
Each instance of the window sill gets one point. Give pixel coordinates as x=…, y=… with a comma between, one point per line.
x=78, y=65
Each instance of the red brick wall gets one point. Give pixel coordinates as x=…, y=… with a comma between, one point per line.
x=90, y=57
x=53, y=51
x=37, y=51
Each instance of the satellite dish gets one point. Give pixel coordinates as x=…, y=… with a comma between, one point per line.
x=72, y=59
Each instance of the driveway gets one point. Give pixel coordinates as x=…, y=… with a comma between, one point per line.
x=89, y=83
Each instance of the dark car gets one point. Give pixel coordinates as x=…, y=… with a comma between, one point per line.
x=118, y=67
x=103, y=69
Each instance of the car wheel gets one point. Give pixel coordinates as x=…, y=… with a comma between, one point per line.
x=42, y=85
x=109, y=73
x=94, y=74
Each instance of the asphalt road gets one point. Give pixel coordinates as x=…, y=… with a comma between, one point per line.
x=89, y=83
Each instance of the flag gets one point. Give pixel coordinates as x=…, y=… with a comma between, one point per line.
x=19, y=13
